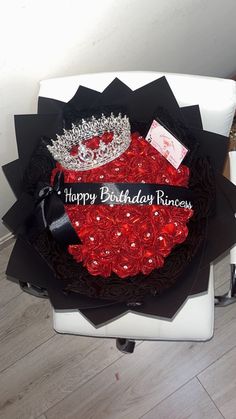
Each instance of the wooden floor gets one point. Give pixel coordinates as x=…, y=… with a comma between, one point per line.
x=49, y=376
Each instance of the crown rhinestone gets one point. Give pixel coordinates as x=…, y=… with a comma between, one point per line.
x=86, y=158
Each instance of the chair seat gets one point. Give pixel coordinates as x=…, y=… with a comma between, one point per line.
x=194, y=321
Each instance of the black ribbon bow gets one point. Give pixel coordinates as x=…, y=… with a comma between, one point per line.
x=49, y=212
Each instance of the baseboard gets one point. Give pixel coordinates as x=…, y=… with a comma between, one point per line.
x=6, y=240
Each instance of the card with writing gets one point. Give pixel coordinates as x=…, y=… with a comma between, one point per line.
x=168, y=145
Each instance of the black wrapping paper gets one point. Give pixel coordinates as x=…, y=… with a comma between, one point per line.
x=142, y=105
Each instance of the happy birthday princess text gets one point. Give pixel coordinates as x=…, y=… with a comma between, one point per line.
x=108, y=196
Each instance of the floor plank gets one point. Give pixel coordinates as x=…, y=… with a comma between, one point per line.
x=156, y=370
x=8, y=290
x=52, y=371
x=4, y=257
x=190, y=401
x=220, y=382
x=222, y=270
x=25, y=323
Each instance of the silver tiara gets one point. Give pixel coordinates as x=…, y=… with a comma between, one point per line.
x=85, y=158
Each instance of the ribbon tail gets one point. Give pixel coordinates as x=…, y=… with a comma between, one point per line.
x=58, y=221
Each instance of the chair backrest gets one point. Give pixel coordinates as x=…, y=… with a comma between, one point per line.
x=216, y=97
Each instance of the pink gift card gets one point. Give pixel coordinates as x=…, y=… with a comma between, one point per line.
x=164, y=142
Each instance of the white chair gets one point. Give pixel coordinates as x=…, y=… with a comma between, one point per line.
x=195, y=319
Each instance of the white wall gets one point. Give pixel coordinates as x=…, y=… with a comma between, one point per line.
x=48, y=38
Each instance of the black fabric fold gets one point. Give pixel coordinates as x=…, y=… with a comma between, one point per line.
x=223, y=223
x=114, y=96
x=31, y=215
x=50, y=106
x=84, y=98
x=211, y=145
x=22, y=267
x=144, y=101
x=19, y=212
x=30, y=129
x=14, y=176
x=192, y=115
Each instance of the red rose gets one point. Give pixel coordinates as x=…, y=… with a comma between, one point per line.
x=151, y=262
x=90, y=238
x=160, y=215
x=134, y=246
x=76, y=251
x=125, y=266
x=138, y=146
x=141, y=169
x=131, y=215
x=178, y=177
x=147, y=233
x=100, y=217
x=117, y=172
x=181, y=214
x=97, y=267
x=169, y=229
x=181, y=232
x=164, y=244
x=117, y=235
x=76, y=217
